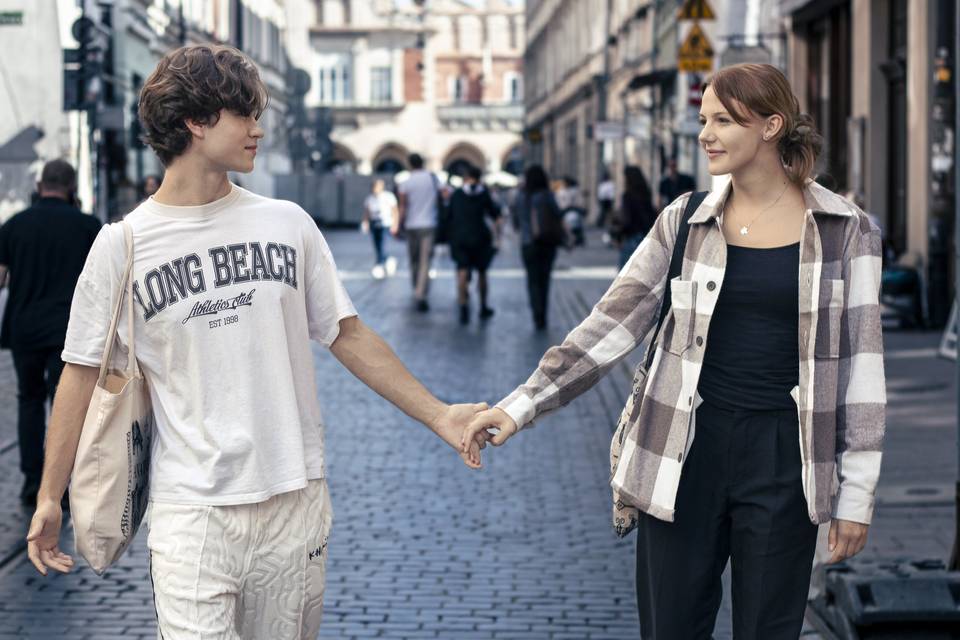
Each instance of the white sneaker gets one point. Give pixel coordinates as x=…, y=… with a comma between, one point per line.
x=391, y=265
x=378, y=272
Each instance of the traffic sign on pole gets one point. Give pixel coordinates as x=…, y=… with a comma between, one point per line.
x=696, y=10
x=696, y=52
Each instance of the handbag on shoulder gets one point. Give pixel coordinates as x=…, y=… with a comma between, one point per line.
x=110, y=481
x=625, y=515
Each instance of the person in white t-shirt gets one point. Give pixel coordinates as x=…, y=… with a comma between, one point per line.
x=229, y=288
x=379, y=212
x=419, y=205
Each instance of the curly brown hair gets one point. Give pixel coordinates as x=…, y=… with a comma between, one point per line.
x=195, y=83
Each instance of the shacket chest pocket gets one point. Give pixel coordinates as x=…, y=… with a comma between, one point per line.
x=829, y=318
x=683, y=311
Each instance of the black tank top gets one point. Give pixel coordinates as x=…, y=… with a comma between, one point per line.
x=753, y=355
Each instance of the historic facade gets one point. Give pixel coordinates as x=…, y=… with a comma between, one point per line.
x=441, y=78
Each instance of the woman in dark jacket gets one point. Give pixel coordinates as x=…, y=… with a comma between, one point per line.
x=636, y=216
x=473, y=218
x=538, y=219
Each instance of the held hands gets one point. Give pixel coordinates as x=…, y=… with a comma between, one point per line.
x=846, y=540
x=43, y=539
x=490, y=419
x=451, y=423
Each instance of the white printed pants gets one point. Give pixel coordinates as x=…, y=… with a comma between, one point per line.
x=242, y=572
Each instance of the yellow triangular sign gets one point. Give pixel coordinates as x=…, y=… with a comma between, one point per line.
x=696, y=10
x=696, y=45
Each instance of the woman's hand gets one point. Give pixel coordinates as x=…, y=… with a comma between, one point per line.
x=495, y=418
x=846, y=540
x=451, y=424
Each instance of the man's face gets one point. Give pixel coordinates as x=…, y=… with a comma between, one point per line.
x=231, y=143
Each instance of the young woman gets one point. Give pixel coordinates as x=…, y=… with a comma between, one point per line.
x=636, y=216
x=534, y=207
x=474, y=225
x=766, y=380
x=379, y=212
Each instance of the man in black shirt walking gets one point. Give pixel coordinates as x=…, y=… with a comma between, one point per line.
x=674, y=184
x=44, y=249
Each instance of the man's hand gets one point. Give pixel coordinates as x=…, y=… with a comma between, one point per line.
x=43, y=539
x=846, y=540
x=495, y=418
x=451, y=424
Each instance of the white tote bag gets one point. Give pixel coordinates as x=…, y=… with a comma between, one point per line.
x=110, y=482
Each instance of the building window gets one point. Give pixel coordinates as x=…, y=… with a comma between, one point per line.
x=334, y=86
x=459, y=88
x=381, y=85
x=512, y=87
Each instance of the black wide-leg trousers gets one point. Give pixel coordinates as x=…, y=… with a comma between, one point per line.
x=740, y=498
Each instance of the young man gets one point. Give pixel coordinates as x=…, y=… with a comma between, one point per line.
x=43, y=248
x=228, y=287
x=673, y=185
x=419, y=202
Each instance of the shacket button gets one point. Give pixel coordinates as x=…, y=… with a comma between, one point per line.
x=690, y=401
x=711, y=285
x=680, y=458
x=699, y=341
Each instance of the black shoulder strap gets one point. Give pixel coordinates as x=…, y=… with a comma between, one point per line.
x=676, y=260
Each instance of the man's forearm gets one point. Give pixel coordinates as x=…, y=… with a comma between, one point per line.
x=369, y=358
x=66, y=422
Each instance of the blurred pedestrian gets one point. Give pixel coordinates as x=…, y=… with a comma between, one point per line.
x=570, y=201
x=420, y=199
x=379, y=212
x=44, y=249
x=758, y=414
x=606, y=196
x=674, y=184
x=538, y=218
x=633, y=221
x=474, y=227
x=229, y=287
x=150, y=185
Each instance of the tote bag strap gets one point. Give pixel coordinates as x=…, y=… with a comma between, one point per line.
x=124, y=290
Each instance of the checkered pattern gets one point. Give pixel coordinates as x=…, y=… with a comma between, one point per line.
x=840, y=398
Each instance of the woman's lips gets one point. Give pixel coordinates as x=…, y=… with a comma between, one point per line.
x=714, y=154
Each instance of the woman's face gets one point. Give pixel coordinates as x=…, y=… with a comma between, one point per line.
x=729, y=146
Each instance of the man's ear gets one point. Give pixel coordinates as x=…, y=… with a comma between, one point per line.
x=198, y=129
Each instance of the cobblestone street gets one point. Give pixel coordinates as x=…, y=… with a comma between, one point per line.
x=423, y=547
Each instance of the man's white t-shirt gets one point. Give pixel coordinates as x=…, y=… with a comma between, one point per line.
x=227, y=297
x=421, y=192
x=380, y=207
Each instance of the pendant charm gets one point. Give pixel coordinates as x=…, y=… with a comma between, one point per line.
x=743, y=231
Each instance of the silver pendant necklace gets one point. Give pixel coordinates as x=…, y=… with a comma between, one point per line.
x=745, y=229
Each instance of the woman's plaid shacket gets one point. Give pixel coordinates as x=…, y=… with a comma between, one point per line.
x=841, y=396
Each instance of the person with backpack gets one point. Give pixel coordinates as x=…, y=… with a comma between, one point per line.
x=540, y=223
x=419, y=208
x=474, y=218
x=758, y=413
